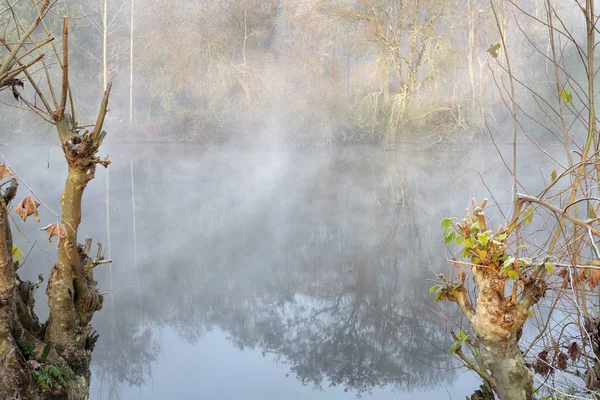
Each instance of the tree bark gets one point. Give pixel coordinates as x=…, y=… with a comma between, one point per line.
x=72, y=293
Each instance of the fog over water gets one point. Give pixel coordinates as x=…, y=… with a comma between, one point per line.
x=269, y=273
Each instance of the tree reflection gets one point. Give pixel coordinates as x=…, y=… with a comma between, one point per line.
x=329, y=278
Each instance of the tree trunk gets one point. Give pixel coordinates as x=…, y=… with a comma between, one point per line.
x=498, y=324
x=52, y=360
x=514, y=381
x=24, y=351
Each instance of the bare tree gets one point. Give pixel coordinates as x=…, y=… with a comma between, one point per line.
x=406, y=38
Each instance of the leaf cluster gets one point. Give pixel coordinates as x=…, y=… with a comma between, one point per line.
x=462, y=337
x=485, y=248
x=49, y=377
x=479, y=245
x=446, y=290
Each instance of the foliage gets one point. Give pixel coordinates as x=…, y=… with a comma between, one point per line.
x=52, y=377
x=462, y=337
x=49, y=377
x=26, y=349
x=17, y=253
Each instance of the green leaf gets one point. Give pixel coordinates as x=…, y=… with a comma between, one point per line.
x=566, y=96
x=45, y=354
x=530, y=313
x=462, y=337
x=549, y=267
x=434, y=289
x=447, y=222
x=525, y=261
x=493, y=50
x=528, y=215
x=501, y=237
x=483, y=239
x=591, y=213
x=470, y=243
x=455, y=346
x=460, y=240
x=17, y=254
x=513, y=274
x=508, y=262
x=450, y=237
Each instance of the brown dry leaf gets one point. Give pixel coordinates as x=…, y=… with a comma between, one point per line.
x=563, y=273
x=541, y=365
x=57, y=229
x=593, y=278
x=562, y=361
x=5, y=172
x=566, y=277
x=28, y=207
x=574, y=352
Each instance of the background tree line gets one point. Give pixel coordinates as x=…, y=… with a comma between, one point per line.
x=316, y=71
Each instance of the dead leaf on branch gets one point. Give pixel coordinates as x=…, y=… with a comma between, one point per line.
x=593, y=278
x=5, y=172
x=564, y=273
x=28, y=207
x=57, y=229
x=562, y=361
x=541, y=365
x=574, y=352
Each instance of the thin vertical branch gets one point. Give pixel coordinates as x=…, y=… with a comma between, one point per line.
x=131, y=64
x=512, y=100
x=104, y=40
x=65, y=71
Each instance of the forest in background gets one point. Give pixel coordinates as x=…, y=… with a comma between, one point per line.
x=298, y=72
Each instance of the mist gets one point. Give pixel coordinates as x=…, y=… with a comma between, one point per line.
x=279, y=170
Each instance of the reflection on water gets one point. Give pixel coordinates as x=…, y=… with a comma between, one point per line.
x=315, y=262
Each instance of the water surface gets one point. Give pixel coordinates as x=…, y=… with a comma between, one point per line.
x=270, y=274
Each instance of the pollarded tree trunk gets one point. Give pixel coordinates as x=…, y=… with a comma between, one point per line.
x=498, y=323
x=72, y=293
x=52, y=360
x=497, y=319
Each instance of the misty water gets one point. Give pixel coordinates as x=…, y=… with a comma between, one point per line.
x=268, y=274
